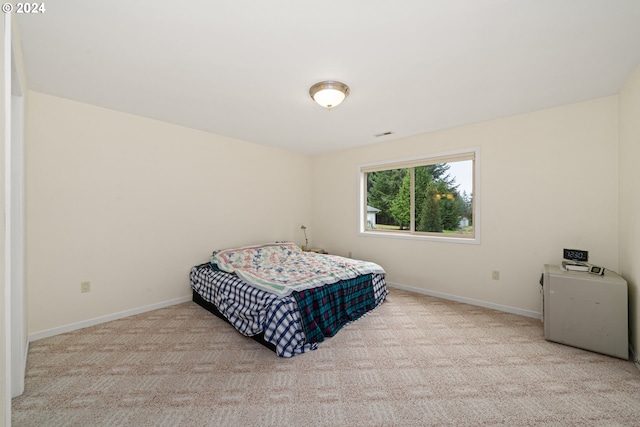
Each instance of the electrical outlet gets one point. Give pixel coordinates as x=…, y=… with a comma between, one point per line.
x=85, y=287
x=349, y=256
x=495, y=275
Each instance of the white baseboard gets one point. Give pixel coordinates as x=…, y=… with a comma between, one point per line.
x=102, y=319
x=115, y=316
x=485, y=304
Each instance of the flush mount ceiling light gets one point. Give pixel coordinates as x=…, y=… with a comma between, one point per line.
x=329, y=94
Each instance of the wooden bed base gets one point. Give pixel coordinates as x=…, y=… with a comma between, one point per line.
x=213, y=309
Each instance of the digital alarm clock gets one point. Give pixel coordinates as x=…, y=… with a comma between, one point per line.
x=576, y=255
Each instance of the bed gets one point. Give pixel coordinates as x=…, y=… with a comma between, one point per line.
x=284, y=298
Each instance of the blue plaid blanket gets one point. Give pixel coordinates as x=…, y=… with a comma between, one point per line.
x=325, y=310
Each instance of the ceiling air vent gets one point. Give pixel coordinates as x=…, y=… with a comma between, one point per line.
x=383, y=134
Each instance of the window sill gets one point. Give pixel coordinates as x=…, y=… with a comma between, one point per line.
x=409, y=236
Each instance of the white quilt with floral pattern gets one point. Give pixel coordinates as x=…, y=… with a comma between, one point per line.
x=282, y=268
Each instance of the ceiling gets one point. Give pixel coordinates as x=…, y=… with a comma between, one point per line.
x=243, y=69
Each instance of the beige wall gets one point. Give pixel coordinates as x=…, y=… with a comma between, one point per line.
x=630, y=198
x=548, y=182
x=131, y=204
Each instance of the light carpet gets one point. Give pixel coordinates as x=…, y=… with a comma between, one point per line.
x=414, y=361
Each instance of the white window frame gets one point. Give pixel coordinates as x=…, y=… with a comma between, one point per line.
x=443, y=157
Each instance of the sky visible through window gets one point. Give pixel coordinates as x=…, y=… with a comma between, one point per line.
x=463, y=172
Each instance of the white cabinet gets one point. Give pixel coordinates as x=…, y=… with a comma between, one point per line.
x=586, y=311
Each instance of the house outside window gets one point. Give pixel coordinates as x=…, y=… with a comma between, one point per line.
x=371, y=217
x=432, y=197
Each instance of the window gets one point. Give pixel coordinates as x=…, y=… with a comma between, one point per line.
x=432, y=197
